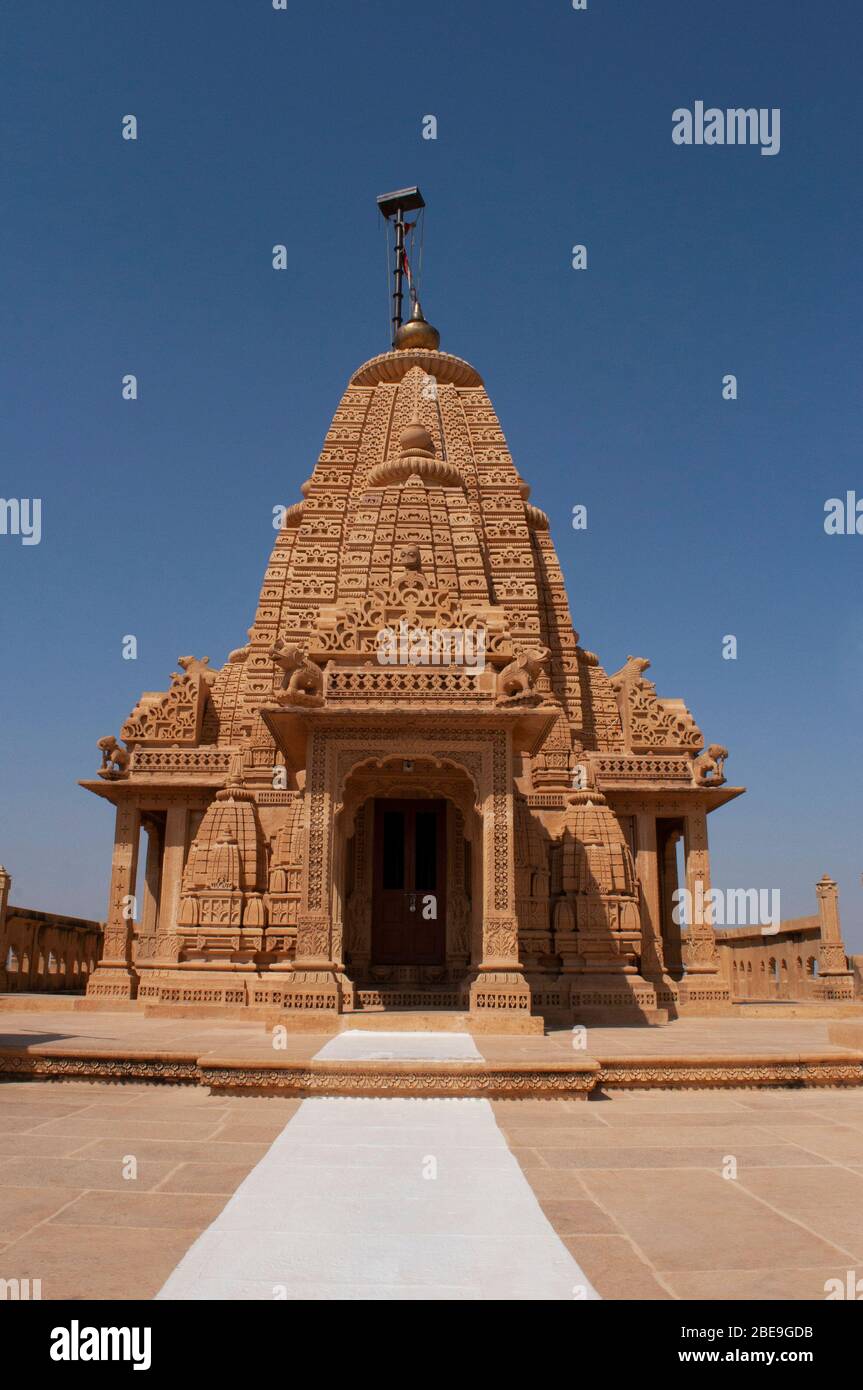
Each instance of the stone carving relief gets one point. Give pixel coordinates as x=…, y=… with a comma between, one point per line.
x=175, y=716
x=354, y=626
x=650, y=724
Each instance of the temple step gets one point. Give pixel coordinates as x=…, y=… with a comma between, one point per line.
x=407, y=1020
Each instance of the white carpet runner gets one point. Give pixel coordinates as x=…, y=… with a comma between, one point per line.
x=372, y=1199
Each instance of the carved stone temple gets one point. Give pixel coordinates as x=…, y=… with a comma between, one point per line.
x=340, y=818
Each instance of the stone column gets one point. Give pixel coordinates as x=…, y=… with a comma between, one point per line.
x=114, y=977
x=358, y=910
x=647, y=869
x=499, y=983
x=838, y=980
x=152, y=877
x=672, y=941
x=173, y=861
x=459, y=896
x=5, y=885
x=700, y=956
x=314, y=983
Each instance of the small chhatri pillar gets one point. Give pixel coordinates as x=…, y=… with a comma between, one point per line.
x=5, y=886
x=835, y=979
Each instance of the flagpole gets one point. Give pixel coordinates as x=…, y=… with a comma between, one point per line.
x=399, y=272
x=393, y=207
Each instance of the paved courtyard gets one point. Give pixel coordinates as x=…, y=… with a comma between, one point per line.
x=653, y=1194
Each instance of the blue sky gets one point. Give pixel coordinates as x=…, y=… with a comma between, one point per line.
x=259, y=127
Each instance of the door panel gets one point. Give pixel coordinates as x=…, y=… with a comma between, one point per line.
x=409, y=883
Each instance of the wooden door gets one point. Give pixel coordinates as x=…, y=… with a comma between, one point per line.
x=408, y=904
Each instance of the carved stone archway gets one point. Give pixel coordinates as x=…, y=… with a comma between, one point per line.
x=396, y=778
x=334, y=751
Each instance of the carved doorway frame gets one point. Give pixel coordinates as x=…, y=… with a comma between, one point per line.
x=333, y=754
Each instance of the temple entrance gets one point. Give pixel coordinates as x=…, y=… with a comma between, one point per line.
x=409, y=882
x=409, y=860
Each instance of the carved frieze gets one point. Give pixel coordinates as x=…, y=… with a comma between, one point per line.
x=175, y=716
x=650, y=724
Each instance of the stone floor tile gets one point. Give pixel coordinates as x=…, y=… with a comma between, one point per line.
x=697, y=1220
x=21, y=1208
x=614, y=1268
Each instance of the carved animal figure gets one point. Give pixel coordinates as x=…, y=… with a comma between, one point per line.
x=515, y=681
x=708, y=769
x=303, y=683
x=193, y=666
x=115, y=760
x=632, y=673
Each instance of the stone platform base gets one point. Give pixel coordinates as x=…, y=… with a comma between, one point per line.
x=796, y=1008
x=613, y=1016
x=65, y=1003
x=570, y=1079
x=673, y=1073
x=244, y=1053
x=387, y=1021
x=502, y=1023
x=600, y=1001
x=846, y=1035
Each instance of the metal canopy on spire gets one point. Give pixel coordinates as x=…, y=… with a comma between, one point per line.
x=393, y=207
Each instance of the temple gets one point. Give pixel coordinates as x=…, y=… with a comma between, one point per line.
x=412, y=787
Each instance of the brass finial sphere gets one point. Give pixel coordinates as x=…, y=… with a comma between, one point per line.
x=416, y=333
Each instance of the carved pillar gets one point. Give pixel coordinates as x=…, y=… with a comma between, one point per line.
x=671, y=932
x=458, y=895
x=828, y=909
x=337, y=896
x=5, y=885
x=358, y=912
x=170, y=889
x=565, y=938
x=647, y=869
x=499, y=982
x=700, y=956
x=152, y=877
x=114, y=976
x=314, y=983
x=838, y=980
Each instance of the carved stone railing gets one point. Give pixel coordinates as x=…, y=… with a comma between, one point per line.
x=181, y=762
x=44, y=952
x=621, y=769
x=803, y=960
x=446, y=684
